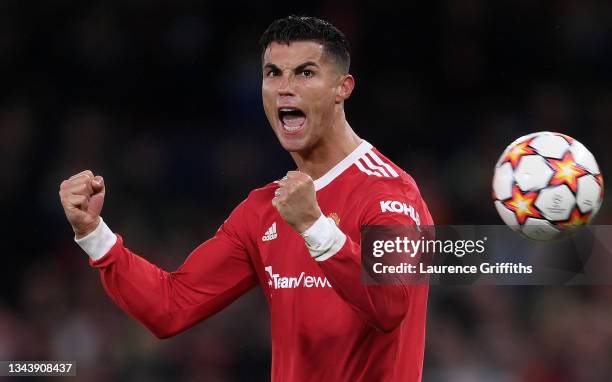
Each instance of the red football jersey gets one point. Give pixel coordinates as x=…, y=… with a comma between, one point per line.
x=326, y=324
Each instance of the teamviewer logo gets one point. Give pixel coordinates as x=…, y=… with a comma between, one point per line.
x=269, y=270
x=303, y=280
x=270, y=233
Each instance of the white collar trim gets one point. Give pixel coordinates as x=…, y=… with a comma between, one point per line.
x=345, y=163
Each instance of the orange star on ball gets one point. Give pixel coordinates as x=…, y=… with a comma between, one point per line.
x=566, y=171
x=517, y=152
x=522, y=204
x=576, y=219
x=599, y=178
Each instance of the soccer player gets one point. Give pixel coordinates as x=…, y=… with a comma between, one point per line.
x=298, y=238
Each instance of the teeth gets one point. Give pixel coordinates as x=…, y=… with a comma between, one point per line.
x=292, y=129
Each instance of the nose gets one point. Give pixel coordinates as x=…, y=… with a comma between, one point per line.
x=285, y=87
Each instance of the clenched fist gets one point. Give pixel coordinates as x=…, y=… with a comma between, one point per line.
x=82, y=197
x=296, y=200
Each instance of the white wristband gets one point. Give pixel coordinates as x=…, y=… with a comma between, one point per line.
x=98, y=242
x=323, y=239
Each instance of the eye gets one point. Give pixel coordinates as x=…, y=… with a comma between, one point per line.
x=307, y=73
x=271, y=73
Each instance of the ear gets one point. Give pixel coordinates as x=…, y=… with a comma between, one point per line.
x=345, y=88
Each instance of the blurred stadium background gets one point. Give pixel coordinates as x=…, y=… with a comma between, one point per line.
x=163, y=99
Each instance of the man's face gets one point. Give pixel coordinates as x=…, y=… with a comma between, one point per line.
x=299, y=91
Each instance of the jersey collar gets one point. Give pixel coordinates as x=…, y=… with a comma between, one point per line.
x=345, y=163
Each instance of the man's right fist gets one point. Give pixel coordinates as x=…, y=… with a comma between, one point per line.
x=82, y=197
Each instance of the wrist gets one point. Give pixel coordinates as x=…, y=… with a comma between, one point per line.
x=98, y=242
x=87, y=229
x=309, y=222
x=323, y=239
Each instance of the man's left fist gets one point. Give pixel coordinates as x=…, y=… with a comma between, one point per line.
x=296, y=200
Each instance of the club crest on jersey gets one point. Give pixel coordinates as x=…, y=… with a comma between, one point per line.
x=400, y=208
x=334, y=216
x=270, y=234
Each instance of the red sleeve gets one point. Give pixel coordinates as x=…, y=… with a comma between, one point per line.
x=382, y=306
x=215, y=274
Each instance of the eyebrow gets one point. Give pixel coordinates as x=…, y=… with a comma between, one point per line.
x=296, y=69
x=305, y=65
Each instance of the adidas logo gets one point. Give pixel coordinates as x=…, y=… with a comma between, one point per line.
x=270, y=233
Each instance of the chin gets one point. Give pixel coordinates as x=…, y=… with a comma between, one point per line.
x=296, y=141
x=294, y=144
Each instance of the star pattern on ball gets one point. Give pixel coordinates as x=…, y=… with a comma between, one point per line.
x=566, y=171
x=576, y=219
x=517, y=152
x=599, y=178
x=522, y=204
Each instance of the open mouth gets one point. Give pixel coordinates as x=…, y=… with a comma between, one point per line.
x=291, y=118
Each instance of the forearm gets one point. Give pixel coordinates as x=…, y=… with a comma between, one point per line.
x=166, y=302
x=339, y=257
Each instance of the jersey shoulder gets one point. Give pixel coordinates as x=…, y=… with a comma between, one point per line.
x=376, y=174
x=385, y=188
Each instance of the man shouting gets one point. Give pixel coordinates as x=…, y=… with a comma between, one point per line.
x=298, y=238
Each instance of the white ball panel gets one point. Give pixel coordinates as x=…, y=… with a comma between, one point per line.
x=539, y=229
x=556, y=203
x=501, y=157
x=502, y=182
x=588, y=193
x=583, y=157
x=595, y=210
x=532, y=173
x=550, y=145
x=507, y=216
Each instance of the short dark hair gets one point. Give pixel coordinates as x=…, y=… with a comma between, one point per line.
x=306, y=28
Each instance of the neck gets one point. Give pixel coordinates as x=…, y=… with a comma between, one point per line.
x=328, y=151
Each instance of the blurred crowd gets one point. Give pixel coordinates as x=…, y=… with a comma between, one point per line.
x=163, y=99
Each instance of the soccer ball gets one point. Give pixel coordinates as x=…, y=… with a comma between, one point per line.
x=546, y=185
